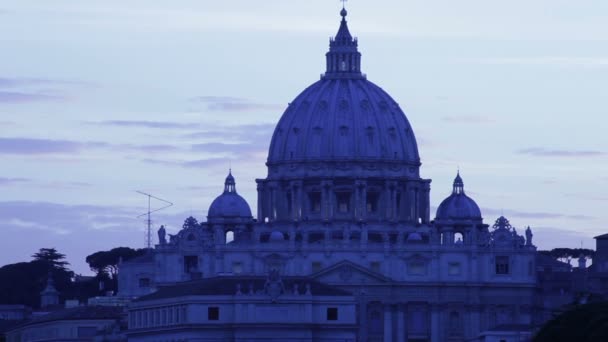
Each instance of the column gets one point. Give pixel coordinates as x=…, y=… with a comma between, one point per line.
x=435, y=326
x=260, y=189
x=364, y=234
x=401, y=323
x=362, y=319
x=388, y=323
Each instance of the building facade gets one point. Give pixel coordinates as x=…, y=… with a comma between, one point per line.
x=344, y=204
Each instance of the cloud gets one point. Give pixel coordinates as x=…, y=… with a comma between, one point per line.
x=249, y=132
x=588, y=197
x=554, y=61
x=542, y=152
x=37, y=146
x=34, y=146
x=222, y=147
x=13, y=181
x=234, y=104
x=148, y=124
x=534, y=215
x=18, y=97
x=76, y=230
x=26, y=90
x=469, y=119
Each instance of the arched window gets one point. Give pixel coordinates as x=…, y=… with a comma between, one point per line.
x=458, y=238
x=229, y=236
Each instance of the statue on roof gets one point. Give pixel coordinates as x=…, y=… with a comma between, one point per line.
x=529, y=236
x=162, y=236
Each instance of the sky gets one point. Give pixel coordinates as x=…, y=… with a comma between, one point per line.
x=99, y=99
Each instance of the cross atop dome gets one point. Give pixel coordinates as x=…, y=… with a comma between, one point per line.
x=343, y=58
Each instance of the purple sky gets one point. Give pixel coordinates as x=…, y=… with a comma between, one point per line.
x=102, y=98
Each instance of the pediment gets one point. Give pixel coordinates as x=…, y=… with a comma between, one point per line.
x=346, y=272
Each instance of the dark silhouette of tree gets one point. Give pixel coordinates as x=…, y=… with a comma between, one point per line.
x=567, y=254
x=190, y=222
x=21, y=283
x=51, y=257
x=583, y=323
x=106, y=262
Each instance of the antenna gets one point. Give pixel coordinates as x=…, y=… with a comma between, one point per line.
x=150, y=211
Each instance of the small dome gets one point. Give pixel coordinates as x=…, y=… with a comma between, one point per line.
x=414, y=237
x=458, y=206
x=229, y=204
x=276, y=236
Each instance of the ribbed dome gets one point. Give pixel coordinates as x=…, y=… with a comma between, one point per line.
x=458, y=206
x=229, y=204
x=343, y=117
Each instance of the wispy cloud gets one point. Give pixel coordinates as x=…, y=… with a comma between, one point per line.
x=555, y=61
x=26, y=90
x=534, y=215
x=233, y=104
x=13, y=181
x=588, y=197
x=542, y=152
x=35, y=146
x=468, y=119
x=19, y=97
x=148, y=124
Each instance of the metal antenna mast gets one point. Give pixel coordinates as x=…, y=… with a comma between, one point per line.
x=150, y=211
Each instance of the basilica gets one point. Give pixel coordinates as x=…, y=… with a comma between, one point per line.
x=343, y=246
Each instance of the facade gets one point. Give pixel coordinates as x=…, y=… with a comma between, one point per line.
x=245, y=308
x=344, y=204
x=84, y=323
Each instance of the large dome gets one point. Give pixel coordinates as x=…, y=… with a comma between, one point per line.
x=343, y=117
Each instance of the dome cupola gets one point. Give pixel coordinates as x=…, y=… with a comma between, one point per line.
x=229, y=204
x=458, y=206
x=343, y=58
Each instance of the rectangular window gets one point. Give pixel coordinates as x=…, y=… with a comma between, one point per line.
x=144, y=282
x=454, y=268
x=213, y=313
x=332, y=314
x=315, y=202
x=416, y=268
x=84, y=332
x=237, y=267
x=190, y=263
x=343, y=199
x=288, y=201
x=372, y=202
x=316, y=266
x=502, y=265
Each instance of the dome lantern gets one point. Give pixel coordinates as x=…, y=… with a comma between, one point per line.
x=343, y=58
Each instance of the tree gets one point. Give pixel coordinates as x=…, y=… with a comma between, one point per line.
x=106, y=262
x=567, y=254
x=51, y=257
x=190, y=222
x=584, y=323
